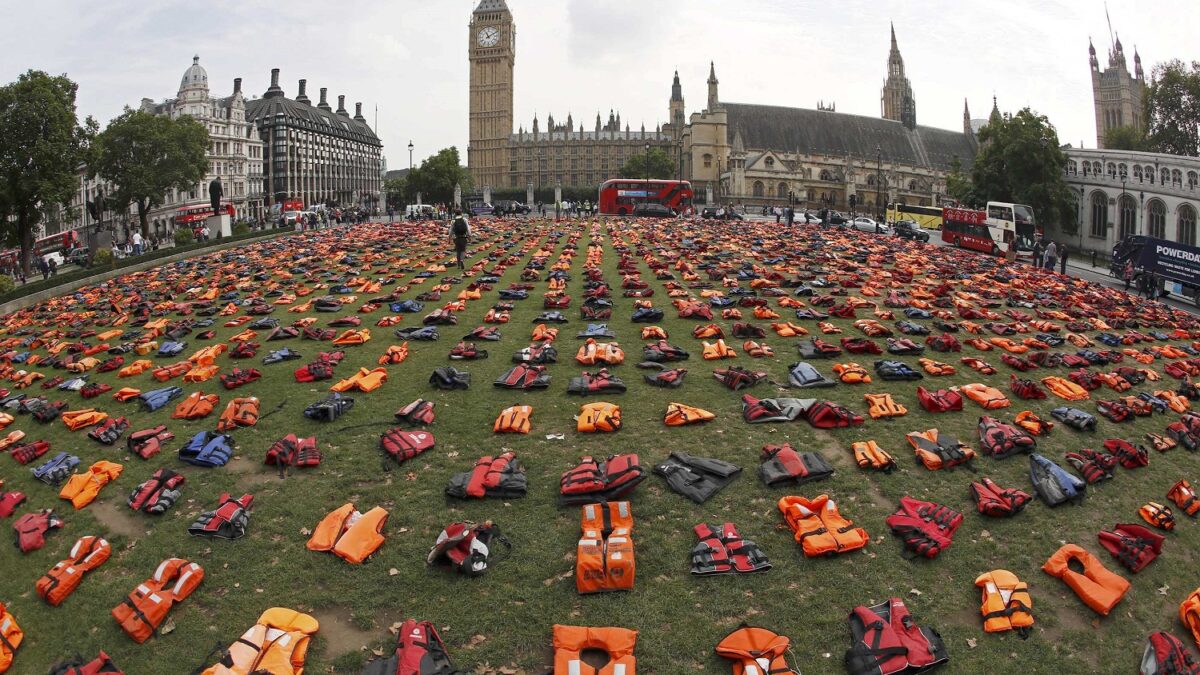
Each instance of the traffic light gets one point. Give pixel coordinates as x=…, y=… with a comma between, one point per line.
x=853, y=201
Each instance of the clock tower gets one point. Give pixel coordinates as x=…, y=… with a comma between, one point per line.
x=491, y=49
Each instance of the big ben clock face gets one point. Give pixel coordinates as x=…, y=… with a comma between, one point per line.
x=489, y=36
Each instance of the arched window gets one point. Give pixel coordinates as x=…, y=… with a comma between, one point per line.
x=1072, y=167
x=1187, y=225
x=913, y=186
x=1112, y=169
x=1087, y=168
x=759, y=188
x=1192, y=180
x=825, y=175
x=1099, y=214
x=781, y=191
x=1122, y=170
x=1176, y=178
x=707, y=161
x=1164, y=176
x=871, y=180
x=1127, y=210
x=1156, y=219
x=1137, y=173
x=770, y=162
x=1096, y=168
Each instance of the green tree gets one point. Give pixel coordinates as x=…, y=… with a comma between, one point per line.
x=1171, y=108
x=397, y=191
x=1125, y=137
x=1020, y=161
x=654, y=164
x=436, y=177
x=144, y=156
x=958, y=183
x=41, y=146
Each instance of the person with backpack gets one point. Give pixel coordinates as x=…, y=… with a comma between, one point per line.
x=460, y=230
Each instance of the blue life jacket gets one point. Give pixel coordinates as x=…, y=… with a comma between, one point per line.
x=407, y=306
x=1054, y=484
x=207, y=449
x=171, y=348
x=57, y=469
x=157, y=398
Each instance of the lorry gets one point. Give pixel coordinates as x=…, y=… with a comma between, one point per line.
x=1176, y=266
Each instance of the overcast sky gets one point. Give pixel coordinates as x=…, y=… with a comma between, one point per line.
x=409, y=57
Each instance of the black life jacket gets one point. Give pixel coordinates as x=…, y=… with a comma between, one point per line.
x=1002, y=440
x=228, y=521
x=329, y=408
x=663, y=352
x=600, y=382
x=101, y=665
x=593, y=481
x=725, y=552
x=524, y=376
x=925, y=528
x=782, y=465
x=157, y=494
x=993, y=500
x=450, y=378
x=109, y=431
x=501, y=477
x=671, y=378
x=697, y=478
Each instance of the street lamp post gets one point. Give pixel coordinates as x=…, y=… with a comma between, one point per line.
x=646, y=165
x=1121, y=205
x=410, y=149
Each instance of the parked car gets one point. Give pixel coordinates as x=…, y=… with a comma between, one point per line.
x=290, y=217
x=864, y=224
x=78, y=256
x=807, y=218
x=652, y=211
x=710, y=213
x=482, y=209
x=835, y=218
x=506, y=207
x=907, y=229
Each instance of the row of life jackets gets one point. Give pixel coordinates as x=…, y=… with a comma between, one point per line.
x=349, y=534
x=604, y=555
x=147, y=606
x=60, y=582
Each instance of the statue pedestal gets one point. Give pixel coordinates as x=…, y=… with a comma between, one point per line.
x=219, y=226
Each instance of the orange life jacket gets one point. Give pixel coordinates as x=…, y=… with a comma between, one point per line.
x=604, y=556
x=83, y=365
x=147, y=347
x=788, y=329
x=679, y=414
x=1027, y=420
x=364, y=380
x=711, y=330
x=277, y=644
x=936, y=368
x=852, y=373
x=1189, y=614
x=762, y=312
x=80, y=419
x=348, y=534
x=819, y=528
x=83, y=488
x=61, y=581
x=147, y=606
x=598, y=416
x=240, y=412
x=11, y=636
x=395, y=354
x=1065, y=389
x=127, y=393
x=136, y=368
x=201, y=373
x=937, y=451
x=1006, y=602
x=1097, y=587
x=989, y=398
x=755, y=651
x=544, y=333
x=174, y=370
x=513, y=420
x=618, y=643
x=758, y=350
x=1008, y=345
x=1184, y=497
x=13, y=437
x=649, y=333
x=1158, y=515
x=717, y=350
x=882, y=405
x=196, y=406
x=1179, y=404
x=868, y=455
x=353, y=337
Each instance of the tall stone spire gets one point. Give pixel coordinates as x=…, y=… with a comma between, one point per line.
x=714, y=101
x=896, y=100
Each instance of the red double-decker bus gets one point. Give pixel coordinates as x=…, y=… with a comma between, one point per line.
x=994, y=230
x=619, y=196
x=196, y=215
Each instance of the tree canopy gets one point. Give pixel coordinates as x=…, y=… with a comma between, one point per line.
x=1019, y=161
x=655, y=164
x=144, y=156
x=1126, y=137
x=42, y=145
x=434, y=179
x=1172, y=109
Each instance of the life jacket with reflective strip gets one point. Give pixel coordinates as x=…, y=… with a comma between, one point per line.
x=1096, y=586
x=993, y=500
x=925, y=528
x=882, y=405
x=83, y=488
x=1184, y=497
x=755, y=651
x=348, y=534
x=618, y=643
x=11, y=636
x=940, y=400
x=1006, y=603
x=604, y=556
x=885, y=640
x=593, y=481
x=157, y=494
x=1158, y=515
x=60, y=582
x=724, y=552
x=599, y=416
x=292, y=451
x=1133, y=546
x=276, y=644
x=819, y=528
x=402, y=445
x=514, y=419
x=147, y=606
x=501, y=476
x=868, y=455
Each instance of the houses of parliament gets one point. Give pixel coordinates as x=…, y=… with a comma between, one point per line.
x=737, y=152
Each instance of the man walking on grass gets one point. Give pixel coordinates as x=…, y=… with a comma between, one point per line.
x=460, y=230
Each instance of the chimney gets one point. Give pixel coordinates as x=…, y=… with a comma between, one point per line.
x=237, y=86
x=342, y=105
x=324, y=105
x=274, y=90
x=302, y=97
x=358, y=112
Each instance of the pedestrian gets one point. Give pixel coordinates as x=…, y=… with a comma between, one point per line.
x=1050, y=256
x=1151, y=284
x=1128, y=275
x=1062, y=258
x=137, y=242
x=44, y=268
x=53, y=267
x=1038, y=248
x=460, y=230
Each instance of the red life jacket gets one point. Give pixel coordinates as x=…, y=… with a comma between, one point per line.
x=925, y=528
x=593, y=481
x=886, y=640
x=1134, y=546
x=402, y=445
x=993, y=500
x=61, y=581
x=293, y=451
x=31, y=529
x=157, y=494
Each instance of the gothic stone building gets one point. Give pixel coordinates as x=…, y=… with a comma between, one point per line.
x=1117, y=95
x=314, y=153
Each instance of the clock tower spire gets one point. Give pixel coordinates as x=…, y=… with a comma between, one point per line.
x=491, y=49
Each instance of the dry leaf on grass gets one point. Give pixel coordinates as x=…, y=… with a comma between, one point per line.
x=1164, y=589
x=560, y=577
x=475, y=641
x=971, y=642
x=393, y=572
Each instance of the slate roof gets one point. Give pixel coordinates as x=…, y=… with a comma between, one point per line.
x=768, y=127
x=310, y=117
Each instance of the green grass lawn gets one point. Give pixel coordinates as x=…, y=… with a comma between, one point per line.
x=501, y=622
